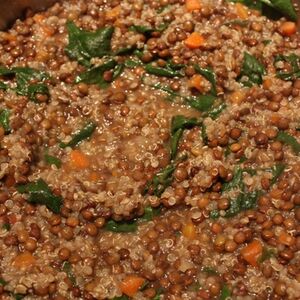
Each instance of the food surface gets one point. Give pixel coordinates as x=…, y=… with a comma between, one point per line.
x=150, y=150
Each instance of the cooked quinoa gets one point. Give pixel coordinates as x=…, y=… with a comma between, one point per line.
x=149, y=149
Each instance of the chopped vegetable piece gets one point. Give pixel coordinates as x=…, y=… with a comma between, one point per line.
x=216, y=111
x=147, y=31
x=165, y=72
x=210, y=270
x=95, y=75
x=24, y=77
x=235, y=182
x=266, y=254
x=277, y=170
x=130, y=226
x=286, y=239
x=288, y=28
x=252, y=252
x=294, y=62
x=2, y=282
x=196, y=82
x=192, y=5
x=4, y=120
x=79, y=160
x=204, y=135
x=289, y=140
x=189, y=231
x=40, y=193
x=195, y=41
x=210, y=76
x=67, y=268
x=241, y=10
x=84, y=45
x=24, y=260
x=123, y=297
x=243, y=202
x=225, y=293
x=6, y=226
x=81, y=135
x=202, y=103
x=150, y=213
x=252, y=69
x=52, y=160
x=131, y=284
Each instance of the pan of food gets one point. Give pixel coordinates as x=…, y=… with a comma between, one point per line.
x=149, y=150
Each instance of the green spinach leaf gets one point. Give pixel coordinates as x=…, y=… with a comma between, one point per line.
x=160, y=181
x=284, y=7
x=210, y=76
x=40, y=193
x=2, y=282
x=267, y=253
x=252, y=69
x=25, y=77
x=289, y=140
x=84, y=45
x=163, y=71
x=81, y=135
x=67, y=268
x=4, y=120
x=6, y=226
x=294, y=61
x=123, y=226
x=277, y=170
x=202, y=103
x=95, y=75
x=225, y=293
x=52, y=160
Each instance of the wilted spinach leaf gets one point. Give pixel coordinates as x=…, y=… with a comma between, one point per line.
x=266, y=254
x=52, y=160
x=4, y=120
x=202, y=103
x=252, y=69
x=81, y=135
x=40, y=193
x=67, y=268
x=225, y=293
x=122, y=226
x=289, y=140
x=277, y=170
x=25, y=77
x=210, y=76
x=84, y=45
x=94, y=75
x=294, y=61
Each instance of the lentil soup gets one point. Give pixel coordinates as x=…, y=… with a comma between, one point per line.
x=150, y=150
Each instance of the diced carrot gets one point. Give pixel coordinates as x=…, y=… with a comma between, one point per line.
x=252, y=252
x=192, y=5
x=194, y=41
x=38, y=18
x=241, y=11
x=237, y=97
x=288, y=28
x=274, y=119
x=286, y=239
x=267, y=83
x=196, y=82
x=79, y=160
x=94, y=176
x=113, y=13
x=189, y=231
x=131, y=284
x=24, y=260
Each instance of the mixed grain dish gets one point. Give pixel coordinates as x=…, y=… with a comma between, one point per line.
x=150, y=150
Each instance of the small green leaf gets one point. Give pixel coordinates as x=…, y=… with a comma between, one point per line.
x=67, y=268
x=52, y=160
x=202, y=103
x=289, y=140
x=6, y=226
x=4, y=120
x=277, y=170
x=160, y=181
x=80, y=135
x=210, y=76
x=40, y=193
x=204, y=135
x=123, y=297
x=294, y=61
x=84, y=45
x=163, y=71
x=2, y=282
x=252, y=69
x=225, y=293
x=216, y=111
x=284, y=7
x=123, y=226
x=266, y=254
x=3, y=86
x=214, y=214
x=130, y=63
x=150, y=213
x=95, y=75
x=210, y=270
